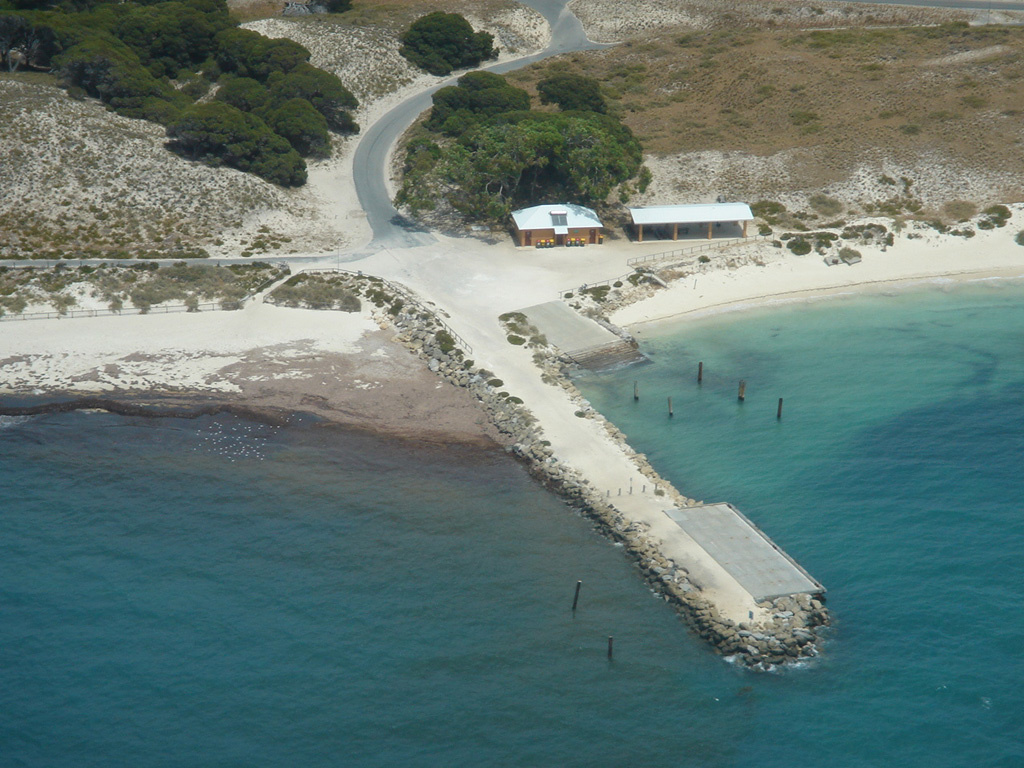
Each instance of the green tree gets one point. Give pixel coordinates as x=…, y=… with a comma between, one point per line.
x=321, y=89
x=477, y=95
x=440, y=42
x=107, y=69
x=168, y=36
x=250, y=54
x=305, y=129
x=217, y=133
x=243, y=93
x=337, y=6
x=572, y=92
x=520, y=159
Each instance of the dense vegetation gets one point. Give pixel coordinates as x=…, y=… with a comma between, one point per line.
x=154, y=61
x=441, y=42
x=484, y=152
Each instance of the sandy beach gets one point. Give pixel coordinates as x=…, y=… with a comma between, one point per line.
x=784, y=277
x=336, y=365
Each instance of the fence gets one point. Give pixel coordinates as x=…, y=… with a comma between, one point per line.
x=157, y=310
x=405, y=293
x=714, y=245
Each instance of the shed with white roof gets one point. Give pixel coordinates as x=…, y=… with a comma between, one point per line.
x=699, y=216
x=557, y=225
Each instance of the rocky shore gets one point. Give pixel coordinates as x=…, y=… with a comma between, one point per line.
x=794, y=629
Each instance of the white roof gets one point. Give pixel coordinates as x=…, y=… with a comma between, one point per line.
x=691, y=214
x=539, y=217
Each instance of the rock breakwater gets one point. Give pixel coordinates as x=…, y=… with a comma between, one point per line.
x=793, y=631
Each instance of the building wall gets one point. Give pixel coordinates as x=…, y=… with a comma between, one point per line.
x=529, y=237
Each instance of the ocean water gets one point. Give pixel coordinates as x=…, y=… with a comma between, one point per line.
x=220, y=592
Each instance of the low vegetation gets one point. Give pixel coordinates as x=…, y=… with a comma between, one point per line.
x=313, y=291
x=161, y=61
x=942, y=98
x=142, y=286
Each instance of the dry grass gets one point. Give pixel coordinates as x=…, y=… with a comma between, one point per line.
x=756, y=112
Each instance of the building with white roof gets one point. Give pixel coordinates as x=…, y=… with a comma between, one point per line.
x=557, y=225
x=699, y=216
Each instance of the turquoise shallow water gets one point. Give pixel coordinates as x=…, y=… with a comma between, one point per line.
x=218, y=592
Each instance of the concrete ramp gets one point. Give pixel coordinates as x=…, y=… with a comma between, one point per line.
x=739, y=546
x=580, y=338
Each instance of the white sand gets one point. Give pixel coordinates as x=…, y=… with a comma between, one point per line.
x=166, y=352
x=787, y=278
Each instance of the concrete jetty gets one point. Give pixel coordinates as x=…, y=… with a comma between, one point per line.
x=581, y=340
x=745, y=551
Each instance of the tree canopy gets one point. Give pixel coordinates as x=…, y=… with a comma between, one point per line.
x=271, y=106
x=572, y=92
x=441, y=42
x=520, y=158
x=219, y=133
x=478, y=95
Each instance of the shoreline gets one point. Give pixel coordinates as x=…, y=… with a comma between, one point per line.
x=786, y=278
x=807, y=295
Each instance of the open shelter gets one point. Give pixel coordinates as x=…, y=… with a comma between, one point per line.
x=696, y=217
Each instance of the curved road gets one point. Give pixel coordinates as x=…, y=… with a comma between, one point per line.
x=390, y=229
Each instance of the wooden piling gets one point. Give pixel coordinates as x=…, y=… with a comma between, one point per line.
x=670, y=407
x=700, y=372
x=611, y=640
x=778, y=414
x=576, y=597
x=743, y=390
x=636, y=391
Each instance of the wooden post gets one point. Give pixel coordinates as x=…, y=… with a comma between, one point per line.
x=709, y=230
x=743, y=390
x=576, y=597
x=700, y=372
x=778, y=414
x=611, y=640
x=640, y=233
x=636, y=391
x=670, y=407
x=744, y=229
x=675, y=231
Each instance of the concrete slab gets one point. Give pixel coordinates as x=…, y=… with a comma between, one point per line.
x=739, y=546
x=566, y=329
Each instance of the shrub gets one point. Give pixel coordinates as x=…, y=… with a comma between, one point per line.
x=799, y=246
x=440, y=42
x=445, y=342
x=516, y=340
x=1019, y=239
x=959, y=210
x=570, y=91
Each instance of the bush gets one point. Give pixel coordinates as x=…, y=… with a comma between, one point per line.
x=799, y=246
x=441, y=42
x=571, y=92
x=1019, y=239
x=445, y=342
x=516, y=340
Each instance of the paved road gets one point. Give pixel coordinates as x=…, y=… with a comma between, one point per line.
x=390, y=229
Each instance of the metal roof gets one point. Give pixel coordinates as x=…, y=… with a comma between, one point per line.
x=539, y=217
x=691, y=214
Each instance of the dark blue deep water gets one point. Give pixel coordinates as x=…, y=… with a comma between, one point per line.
x=223, y=593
